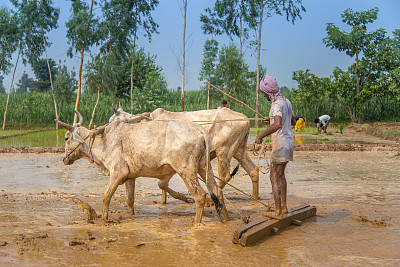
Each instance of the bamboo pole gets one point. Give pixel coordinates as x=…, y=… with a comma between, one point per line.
x=235, y=99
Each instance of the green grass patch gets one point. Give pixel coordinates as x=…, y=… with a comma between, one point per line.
x=325, y=140
x=392, y=133
x=328, y=133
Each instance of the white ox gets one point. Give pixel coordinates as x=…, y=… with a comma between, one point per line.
x=155, y=149
x=228, y=131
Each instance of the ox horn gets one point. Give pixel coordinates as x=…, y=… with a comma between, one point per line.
x=64, y=125
x=114, y=109
x=119, y=105
x=80, y=123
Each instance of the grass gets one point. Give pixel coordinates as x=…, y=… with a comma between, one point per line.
x=325, y=140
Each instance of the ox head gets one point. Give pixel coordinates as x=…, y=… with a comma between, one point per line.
x=75, y=146
x=119, y=114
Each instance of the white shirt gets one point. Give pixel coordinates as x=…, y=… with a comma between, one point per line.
x=282, y=139
x=323, y=119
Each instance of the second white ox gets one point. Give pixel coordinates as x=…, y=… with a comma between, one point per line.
x=155, y=149
x=228, y=131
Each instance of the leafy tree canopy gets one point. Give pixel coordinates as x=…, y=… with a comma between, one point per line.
x=41, y=70
x=374, y=73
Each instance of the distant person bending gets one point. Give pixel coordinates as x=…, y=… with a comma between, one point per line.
x=323, y=122
x=282, y=118
x=224, y=103
x=300, y=123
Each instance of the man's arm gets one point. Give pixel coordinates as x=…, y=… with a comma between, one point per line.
x=293, y=120
x=270, y=130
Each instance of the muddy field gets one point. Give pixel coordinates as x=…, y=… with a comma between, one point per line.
x=356, y=192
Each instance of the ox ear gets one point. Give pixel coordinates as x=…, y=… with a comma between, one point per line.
x=114, y=109
x=64, y=125
x=77, y=137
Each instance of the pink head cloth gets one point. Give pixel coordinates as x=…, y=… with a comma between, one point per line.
x=269, y=86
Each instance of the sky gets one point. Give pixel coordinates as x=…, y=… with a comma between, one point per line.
x=286, y=47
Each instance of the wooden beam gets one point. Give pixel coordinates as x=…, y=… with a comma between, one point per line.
x=259, y=229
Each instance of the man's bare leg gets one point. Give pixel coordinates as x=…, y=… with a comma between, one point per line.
x=278, y=182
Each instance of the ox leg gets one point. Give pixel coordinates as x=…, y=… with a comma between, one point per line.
x=163, y=196
x=195, y=189
x=164, y=186
x=215, y=190
x=130, y=195
x=223, y=172
x=251, y=169
x=117, y=177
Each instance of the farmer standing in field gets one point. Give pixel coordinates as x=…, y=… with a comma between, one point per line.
x=322, y=122
x=281, y=120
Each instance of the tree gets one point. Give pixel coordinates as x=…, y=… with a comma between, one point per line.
x=41, y=71
x=231, y=75
x=377, y=59
x=31, y=22
x=123, y=19
x=116, y=80
x=8, y=38
x=267, y=8
x=183, y=55
x=237, y=18
x=211, y=25
x=65, y=84
x=2, y=88
x=208, y=65
x=24, y=83
x=83, y=32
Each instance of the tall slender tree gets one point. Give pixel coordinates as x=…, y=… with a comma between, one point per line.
x=83, y=32
x=183, y=55
x=267, y=8
x=31, y=17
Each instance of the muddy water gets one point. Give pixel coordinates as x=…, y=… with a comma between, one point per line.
x=357, y=222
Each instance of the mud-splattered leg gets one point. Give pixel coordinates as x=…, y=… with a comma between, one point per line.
x=130, y=193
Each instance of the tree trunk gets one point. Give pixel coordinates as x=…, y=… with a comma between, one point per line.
x=9, y=92
x=133, y=56
x=183, y=59
x=78, y=95
x=51, y=80
x=98, y=88
x=258, y=61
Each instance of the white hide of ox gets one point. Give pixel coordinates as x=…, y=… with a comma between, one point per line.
x=228, y=131
x=156, y=149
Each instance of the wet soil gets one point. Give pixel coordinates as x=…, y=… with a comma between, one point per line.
x=356, y=194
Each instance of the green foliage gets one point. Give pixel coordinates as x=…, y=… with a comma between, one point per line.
x=230, y=75
x=24, y=83
x=123, y=18
x=41, y=70
x=64, y=84
x=8, y=38
x=83, y=29
x=375, y=74
x=341, y=127
x=149, y=84
x=34, y=17
x=2, y=88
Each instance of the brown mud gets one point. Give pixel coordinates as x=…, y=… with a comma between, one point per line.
x=356, y=194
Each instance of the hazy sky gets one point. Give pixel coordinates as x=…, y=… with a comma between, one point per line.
x=286, y=47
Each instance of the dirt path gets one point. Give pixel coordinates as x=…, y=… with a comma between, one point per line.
x=356, y=194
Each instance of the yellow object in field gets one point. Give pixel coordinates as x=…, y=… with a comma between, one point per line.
x=299, y=139
x=300, y=124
